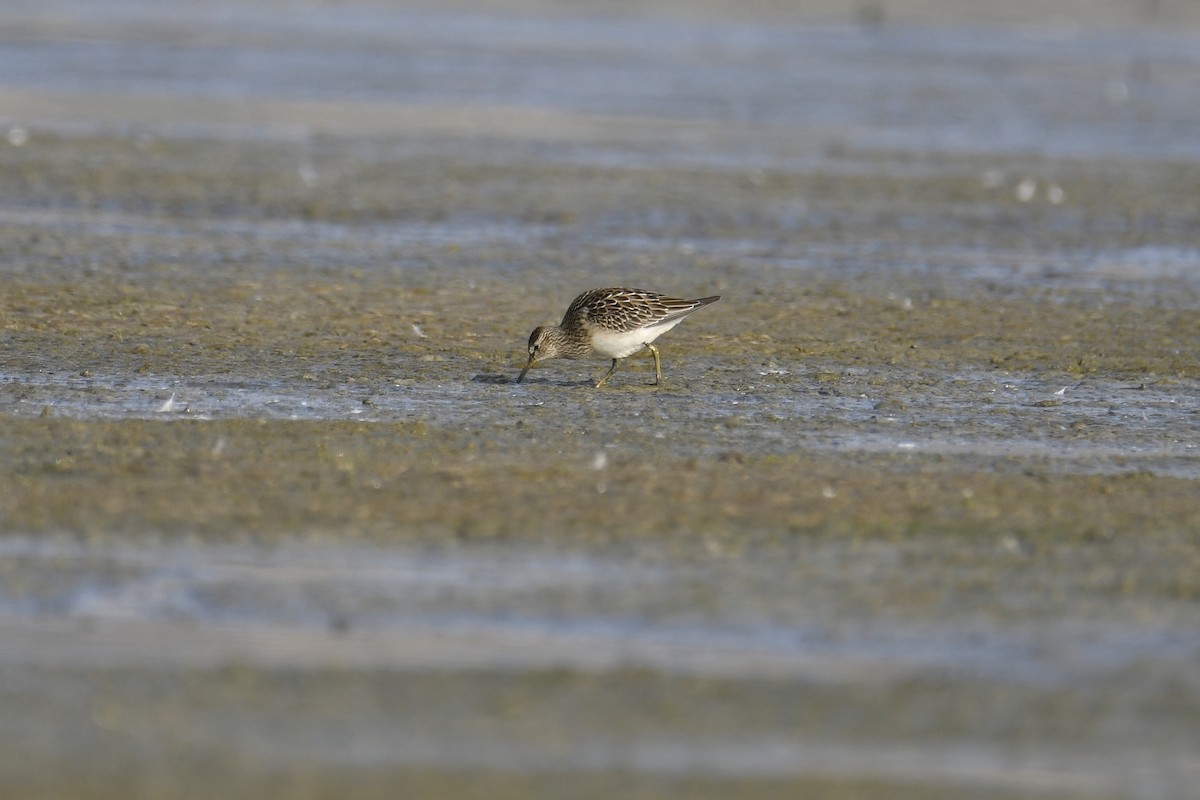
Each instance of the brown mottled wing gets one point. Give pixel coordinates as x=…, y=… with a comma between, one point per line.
x=624, y=310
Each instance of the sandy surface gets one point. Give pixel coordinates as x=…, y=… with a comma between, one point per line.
x=915, y=513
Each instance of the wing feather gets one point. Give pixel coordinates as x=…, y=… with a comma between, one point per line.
x=624, y=310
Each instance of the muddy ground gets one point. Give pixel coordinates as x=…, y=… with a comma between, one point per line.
x=915, y=512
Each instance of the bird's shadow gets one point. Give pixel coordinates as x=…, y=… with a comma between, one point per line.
x=506, y=380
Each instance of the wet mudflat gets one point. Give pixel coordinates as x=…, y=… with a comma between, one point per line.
x=915, y=513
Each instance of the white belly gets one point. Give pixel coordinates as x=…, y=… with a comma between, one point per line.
x=620, y=345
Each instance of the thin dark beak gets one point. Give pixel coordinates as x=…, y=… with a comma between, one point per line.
x=527, y=366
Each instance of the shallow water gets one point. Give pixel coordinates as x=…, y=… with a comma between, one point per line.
x=1129, y=427
x=1063, y=90
x=510, y=609
x=914, y=514
x=338, y=609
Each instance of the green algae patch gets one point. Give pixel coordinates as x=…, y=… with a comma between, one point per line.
x=396, y=480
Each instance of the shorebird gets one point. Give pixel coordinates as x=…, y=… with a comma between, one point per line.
x=613, y=323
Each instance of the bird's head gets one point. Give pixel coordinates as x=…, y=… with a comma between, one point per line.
x=545, y=342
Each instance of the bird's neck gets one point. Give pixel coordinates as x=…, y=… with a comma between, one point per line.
x=570, y=343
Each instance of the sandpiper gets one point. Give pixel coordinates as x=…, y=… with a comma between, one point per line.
x=613, y=323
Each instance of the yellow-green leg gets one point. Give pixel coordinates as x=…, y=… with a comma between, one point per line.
x=657, y=365
x=608, y=374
